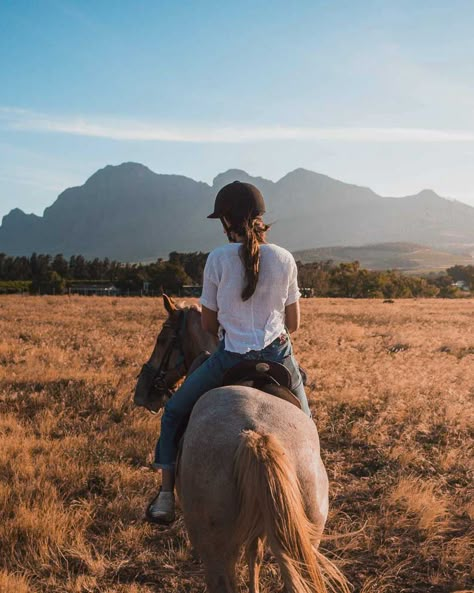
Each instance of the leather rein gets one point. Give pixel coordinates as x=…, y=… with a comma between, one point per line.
x=159, y=380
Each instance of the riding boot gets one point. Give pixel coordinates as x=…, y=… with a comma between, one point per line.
x=161, y=509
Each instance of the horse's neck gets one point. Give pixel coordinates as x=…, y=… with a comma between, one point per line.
x=197, y=340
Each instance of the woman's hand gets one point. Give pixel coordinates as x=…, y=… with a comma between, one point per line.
x=292, y=317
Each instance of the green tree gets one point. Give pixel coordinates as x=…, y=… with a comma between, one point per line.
x=57, y=284
x=60, y=265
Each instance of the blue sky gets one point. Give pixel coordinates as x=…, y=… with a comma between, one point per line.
x=378, y=93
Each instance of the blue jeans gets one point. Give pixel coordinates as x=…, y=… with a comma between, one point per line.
x=208, y=376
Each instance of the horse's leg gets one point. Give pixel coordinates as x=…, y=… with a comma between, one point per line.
x=254, y=559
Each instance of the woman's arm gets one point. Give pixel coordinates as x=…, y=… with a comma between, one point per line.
x=292, y=316
x=209, y=320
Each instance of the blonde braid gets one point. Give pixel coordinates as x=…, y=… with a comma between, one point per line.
x=253, y=232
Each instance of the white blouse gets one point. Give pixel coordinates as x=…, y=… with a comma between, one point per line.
x=255, y=323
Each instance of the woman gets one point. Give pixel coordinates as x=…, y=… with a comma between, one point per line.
x=250, y=301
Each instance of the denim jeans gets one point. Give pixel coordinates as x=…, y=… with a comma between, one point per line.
x=208, y=376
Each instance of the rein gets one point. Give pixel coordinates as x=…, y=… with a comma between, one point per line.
x=159, y=380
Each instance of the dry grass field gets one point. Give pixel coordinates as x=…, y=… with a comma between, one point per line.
x=392, y=392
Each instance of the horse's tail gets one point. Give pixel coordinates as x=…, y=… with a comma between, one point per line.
x=271, y=506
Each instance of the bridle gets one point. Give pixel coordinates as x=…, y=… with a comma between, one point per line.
x=163, y=371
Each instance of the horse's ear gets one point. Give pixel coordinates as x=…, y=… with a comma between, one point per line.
x=169, y=305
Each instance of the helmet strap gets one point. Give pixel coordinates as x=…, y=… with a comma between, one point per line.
x=228, y=230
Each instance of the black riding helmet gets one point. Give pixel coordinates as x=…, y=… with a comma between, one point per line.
x=239, y=200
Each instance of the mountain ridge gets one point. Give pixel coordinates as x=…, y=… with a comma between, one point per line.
x=129, y=212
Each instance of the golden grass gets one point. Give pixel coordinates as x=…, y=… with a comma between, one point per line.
x=392, y=392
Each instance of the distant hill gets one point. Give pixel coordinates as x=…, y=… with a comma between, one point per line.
x=406, y=257
x=130, y=213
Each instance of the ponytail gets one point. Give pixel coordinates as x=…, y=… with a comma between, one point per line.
x=253, y=233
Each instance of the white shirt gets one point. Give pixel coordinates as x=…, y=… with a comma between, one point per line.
x=255, y=323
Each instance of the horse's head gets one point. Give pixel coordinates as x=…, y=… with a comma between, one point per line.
x=167, y=365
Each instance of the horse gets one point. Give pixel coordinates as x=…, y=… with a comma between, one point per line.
x=249, y=470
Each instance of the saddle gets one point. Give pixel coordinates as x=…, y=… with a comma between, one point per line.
x=271, y=377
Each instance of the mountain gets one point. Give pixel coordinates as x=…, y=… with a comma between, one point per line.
x=406, y=257
x=125, y=212
x=128, y=212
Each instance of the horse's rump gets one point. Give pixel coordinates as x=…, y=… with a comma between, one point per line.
x=221, y=465
x=214, y=433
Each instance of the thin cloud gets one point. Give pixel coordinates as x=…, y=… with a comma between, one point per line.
x=133, y=130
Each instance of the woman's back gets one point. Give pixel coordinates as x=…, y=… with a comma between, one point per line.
x=256, y=322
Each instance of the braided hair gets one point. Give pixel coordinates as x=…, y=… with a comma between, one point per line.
x=253, y=231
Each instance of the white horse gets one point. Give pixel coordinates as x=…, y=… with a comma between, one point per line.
x=249, y=472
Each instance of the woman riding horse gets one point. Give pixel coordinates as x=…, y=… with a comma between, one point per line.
x=250, y=302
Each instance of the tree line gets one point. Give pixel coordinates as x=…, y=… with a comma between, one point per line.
x=45, y=273
x=42, y=273
x=351, y=280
